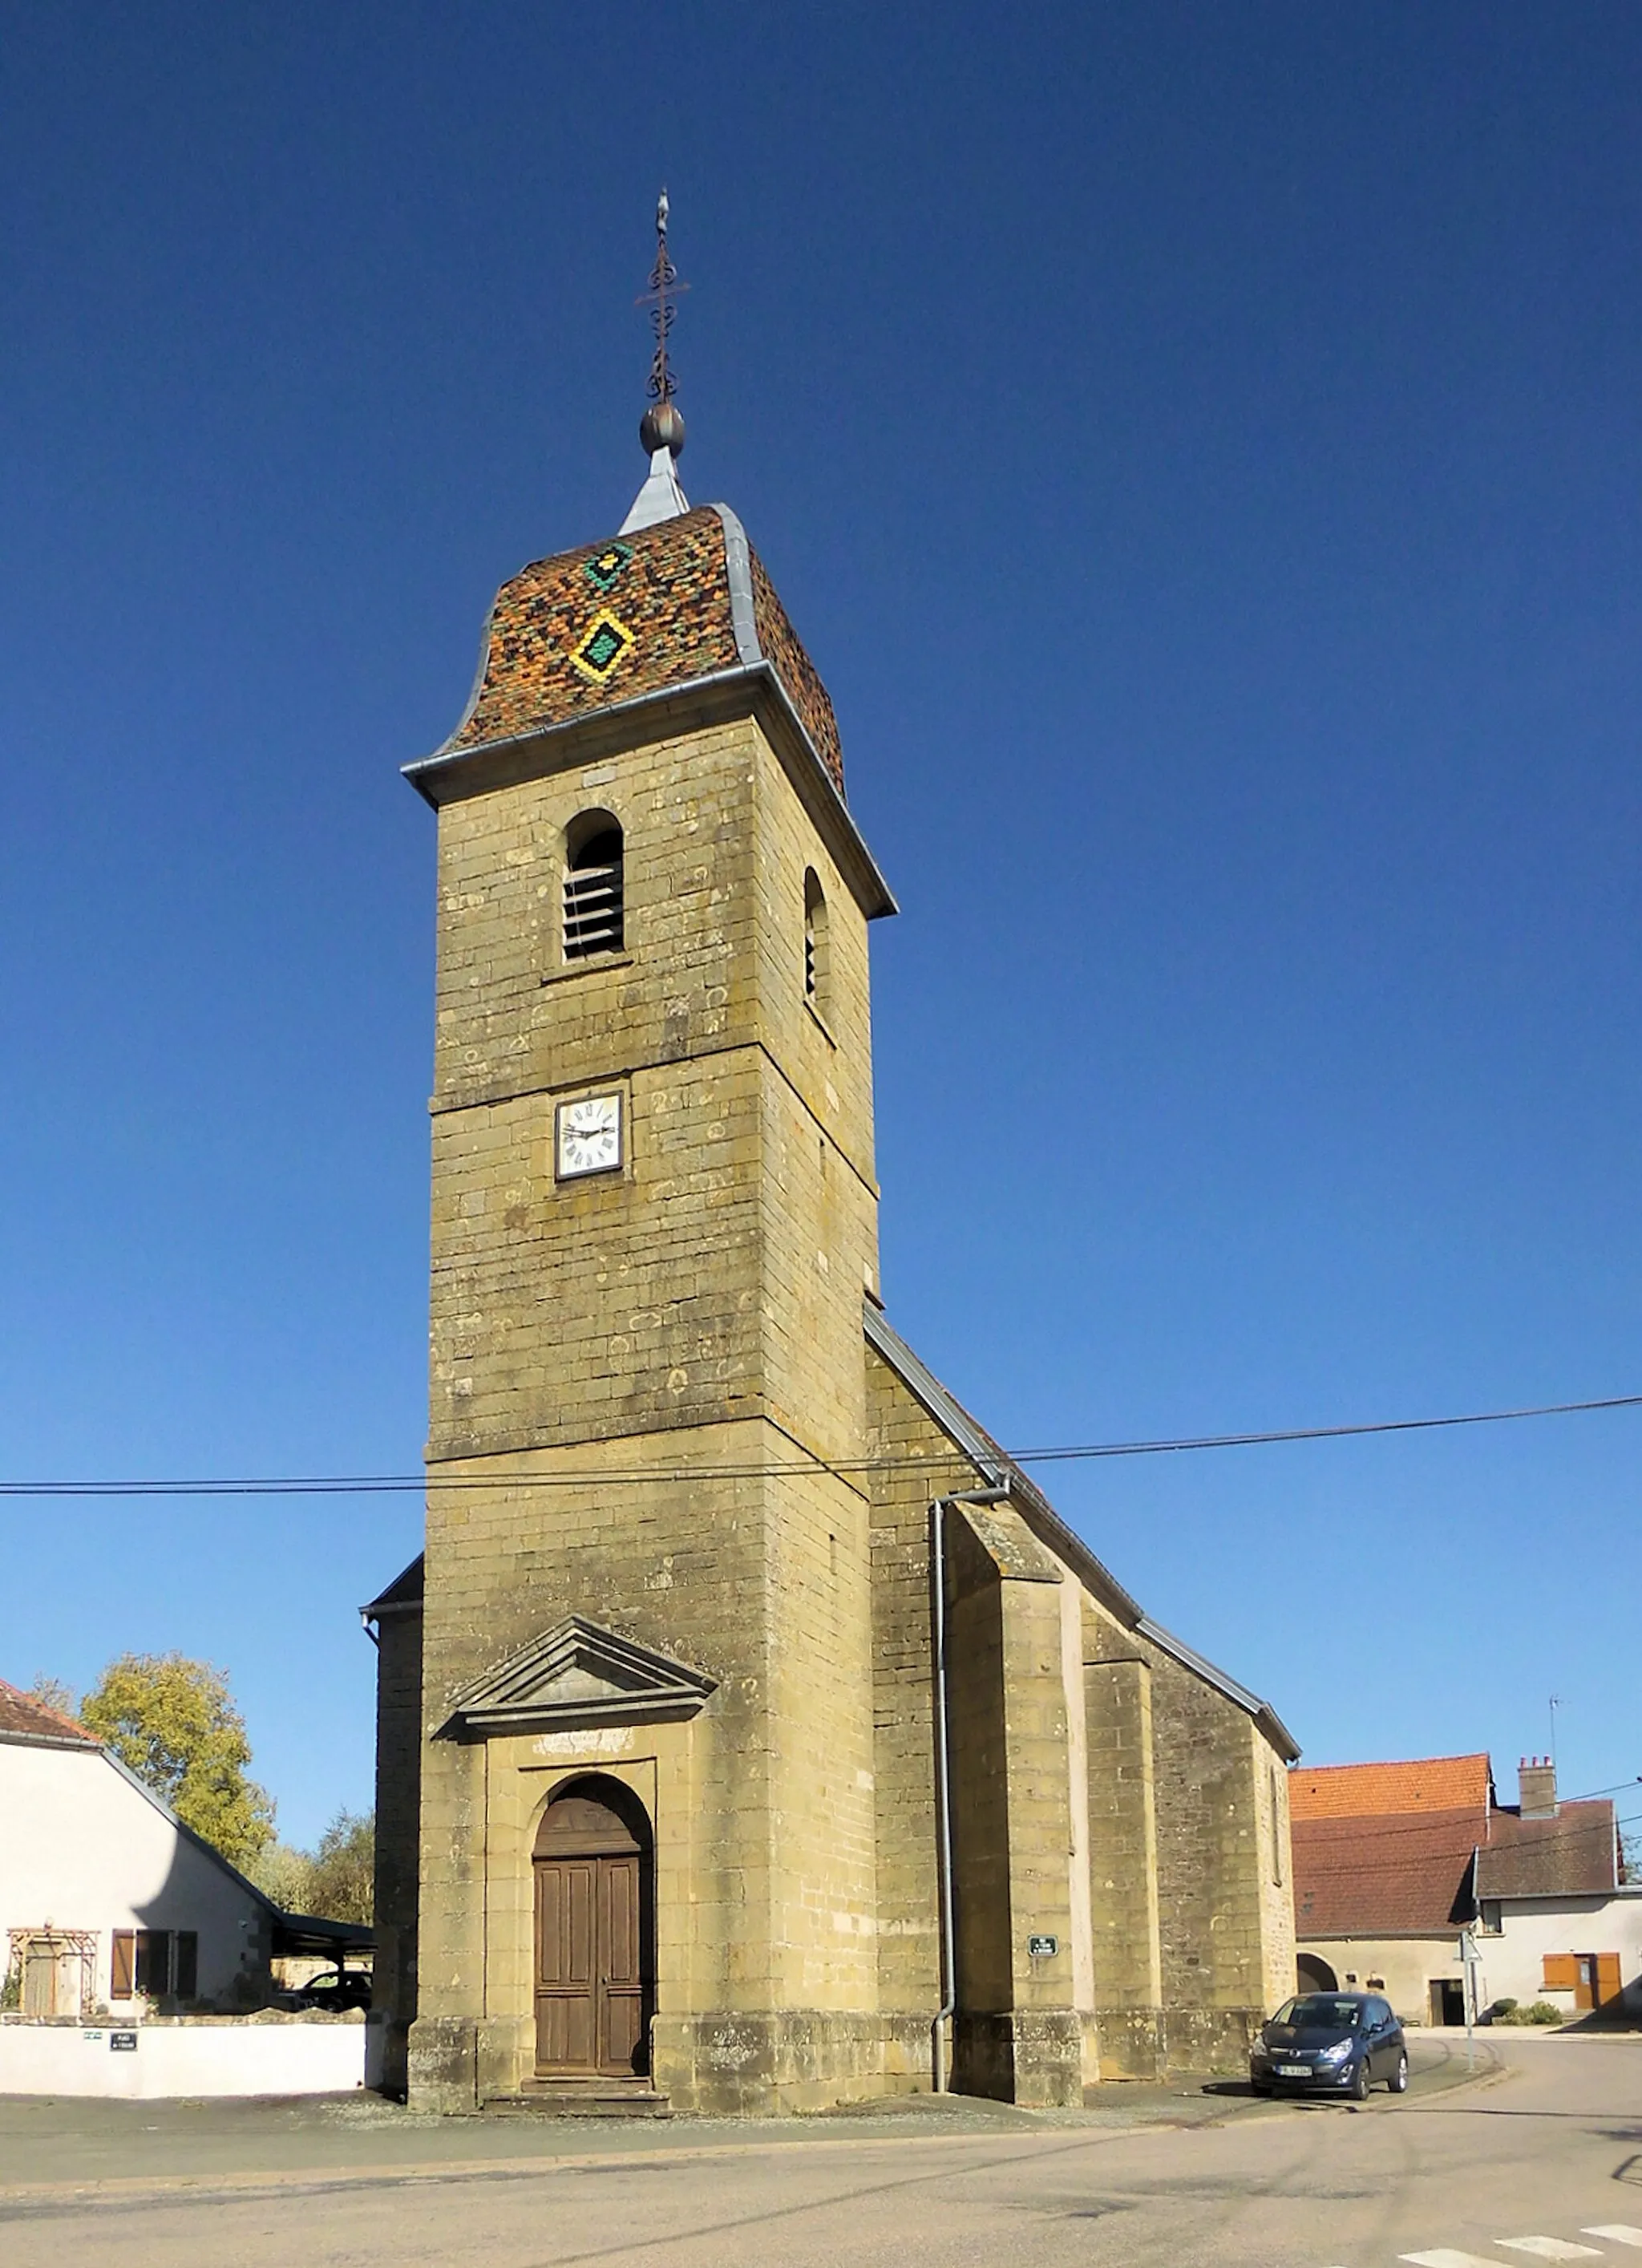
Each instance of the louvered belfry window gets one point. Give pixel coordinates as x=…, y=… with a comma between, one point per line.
x=816, y=969
x=592, y=890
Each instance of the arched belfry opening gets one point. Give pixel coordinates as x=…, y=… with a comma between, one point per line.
x=595, y=1868
x=817, y=961
x=1314, y=1974
x=594, y=892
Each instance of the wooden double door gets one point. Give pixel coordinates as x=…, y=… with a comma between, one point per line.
x=594, y=1890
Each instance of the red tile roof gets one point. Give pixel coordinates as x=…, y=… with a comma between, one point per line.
x=1380, y=1874
x=1570, y=1855
x=25, y=1718
x=1430, y=1783
x=1384, y=1848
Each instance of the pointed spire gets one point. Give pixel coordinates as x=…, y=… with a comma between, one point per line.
x=662, y=427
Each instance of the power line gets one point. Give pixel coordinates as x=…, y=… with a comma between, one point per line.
x=1364, y=1832
x=406, y=1483
x=1325, y=1433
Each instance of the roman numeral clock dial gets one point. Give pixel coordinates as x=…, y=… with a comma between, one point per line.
x=587, y=1137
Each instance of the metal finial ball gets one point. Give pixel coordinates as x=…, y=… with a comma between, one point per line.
x=662, y=427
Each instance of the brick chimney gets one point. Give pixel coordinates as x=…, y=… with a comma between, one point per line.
x=1536, y=1788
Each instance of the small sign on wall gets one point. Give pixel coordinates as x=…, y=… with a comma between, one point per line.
x=122, y=2041
x=1041, y=1948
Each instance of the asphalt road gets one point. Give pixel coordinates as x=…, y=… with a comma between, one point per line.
x=1513, y=2171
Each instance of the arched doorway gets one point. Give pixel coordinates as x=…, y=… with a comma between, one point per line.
x=595, y=1903
x=1315, y=1975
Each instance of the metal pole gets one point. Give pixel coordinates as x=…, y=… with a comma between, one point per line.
x=1468, y=1971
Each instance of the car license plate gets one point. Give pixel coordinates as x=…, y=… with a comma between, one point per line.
x=1293, y=2070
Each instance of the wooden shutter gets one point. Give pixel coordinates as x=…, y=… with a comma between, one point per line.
x=1561, y=1972
x=185, y=1981
x=122, y=1973
x=1608, y=1982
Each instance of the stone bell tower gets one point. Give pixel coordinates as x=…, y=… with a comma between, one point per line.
x=646, y=1614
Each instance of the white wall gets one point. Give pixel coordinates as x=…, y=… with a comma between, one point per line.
x=183, y=2059
x=1511, y=1961
x=1532, y=1927
x=82, y=1848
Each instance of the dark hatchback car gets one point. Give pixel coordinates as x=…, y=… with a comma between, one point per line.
x=333, y=1988
x=1330, y=2044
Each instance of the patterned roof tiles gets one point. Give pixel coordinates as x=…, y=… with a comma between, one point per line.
x=607, y=625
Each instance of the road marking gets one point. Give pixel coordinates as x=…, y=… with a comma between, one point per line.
x=1618, y=2231
x=1548, y=2247
x=1444, y=2258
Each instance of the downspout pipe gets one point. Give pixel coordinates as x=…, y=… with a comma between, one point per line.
x=943, y=1766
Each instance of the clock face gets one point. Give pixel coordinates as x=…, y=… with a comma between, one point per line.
x=588, y=1135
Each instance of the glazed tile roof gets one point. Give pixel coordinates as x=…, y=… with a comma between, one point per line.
x=1569, y=1855
x=1430, y=1783
x=24, y=1718
x=660, y=606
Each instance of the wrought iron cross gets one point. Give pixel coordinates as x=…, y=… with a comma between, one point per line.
x=665, y=286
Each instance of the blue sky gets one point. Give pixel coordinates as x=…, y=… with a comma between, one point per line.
x=1200, y=449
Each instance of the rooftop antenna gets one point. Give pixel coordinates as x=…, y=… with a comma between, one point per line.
x=1556, y=1703
x=662, y=426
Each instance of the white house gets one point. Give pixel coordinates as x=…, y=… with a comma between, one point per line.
x=1578, y=1953
x=1395, y=1862
x=1556, y=1918
x=107, y=1902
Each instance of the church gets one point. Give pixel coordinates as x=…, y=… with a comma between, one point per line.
x=752, y=1736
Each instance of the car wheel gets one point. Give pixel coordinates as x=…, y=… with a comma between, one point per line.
x=1361, y=2083
x=1398, y=2081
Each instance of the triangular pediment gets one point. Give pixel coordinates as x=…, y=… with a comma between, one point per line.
x=577, y=1675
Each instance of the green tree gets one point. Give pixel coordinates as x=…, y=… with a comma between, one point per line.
x=342, y=1873
x=283, y=1872
x=173, y=1722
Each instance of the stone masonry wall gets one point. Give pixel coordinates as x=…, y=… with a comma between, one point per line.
x=1122, y=1853
x=639, y=1384
x=1220, y=1931
x=917, y=1463
x=399, y=1807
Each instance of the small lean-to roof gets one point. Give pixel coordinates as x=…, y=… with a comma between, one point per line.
x=1428, y=1784
x=997, y=1468
x=24, y=1719
x=403, y=1594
